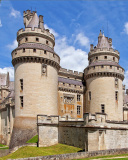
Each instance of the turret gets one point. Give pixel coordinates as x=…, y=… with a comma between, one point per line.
x=36, y=77
x=104, y=78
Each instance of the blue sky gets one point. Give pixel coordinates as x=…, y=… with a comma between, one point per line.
x=75, y=24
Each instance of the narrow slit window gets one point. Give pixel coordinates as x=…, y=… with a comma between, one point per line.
x=116, y=95
x=102, y=108
x=21, y=101
x=21, y=84
x=89, y=95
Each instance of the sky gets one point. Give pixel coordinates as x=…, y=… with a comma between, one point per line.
x=75, y=24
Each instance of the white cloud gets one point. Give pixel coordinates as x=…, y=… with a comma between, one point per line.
x=51, y=30
x=15, y=13
x=0, y=23
x=71, y=58
x=82, y=40
x=126, y=80
x=126, y=28
x=10, y=70
x=13, y=45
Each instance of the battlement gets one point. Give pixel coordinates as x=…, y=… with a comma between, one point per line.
x=37, y=31
x=94, y=51
x=94, y=118
x=47, y=119
x=67, y=118
x=71, y=72
x=28, y=12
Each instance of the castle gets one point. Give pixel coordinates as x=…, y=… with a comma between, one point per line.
x=87, y=109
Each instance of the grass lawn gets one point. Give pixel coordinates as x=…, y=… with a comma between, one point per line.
x=30, y=151
x=3, y=146
x=33, y=139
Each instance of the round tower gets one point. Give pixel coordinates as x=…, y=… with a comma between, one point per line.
x=36, y=76
x=104, y=76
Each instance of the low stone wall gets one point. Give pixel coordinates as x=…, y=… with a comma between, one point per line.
x=79, y=155
x=4, y=152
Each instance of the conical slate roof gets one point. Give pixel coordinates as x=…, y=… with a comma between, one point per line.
x=34, y=22
x=103, y=43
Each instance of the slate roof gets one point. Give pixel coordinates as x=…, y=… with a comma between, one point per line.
x=36, y=46
x=70, y=81
x=99, y=63
x=34, y=22
x=103, y=43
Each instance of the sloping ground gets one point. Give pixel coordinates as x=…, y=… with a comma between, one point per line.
x=29, y=151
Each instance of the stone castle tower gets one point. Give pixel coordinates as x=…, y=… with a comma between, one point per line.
x=104, y=78
x=36, y=76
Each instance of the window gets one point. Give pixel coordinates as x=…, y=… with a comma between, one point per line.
x=117, y=68
x=45, y=52
x=37, y=39
x=63, y=84
x=110, y=67
x=116, y=82
x=26, y=39
x=93, y=67
x=96, y=58
x=90, y=60
x=75, y=86
x=34, y=50
x=89, y=95
x=102, y=108
x=69, y=85
x=113, y=58
x=78, y=97
x=116, y=95
x=46, y=42
x=105, y=57
x=23, y=49
x=78, y=110
x=102, y=66
x=44, y=69
x=21, y=84
x=21, y=101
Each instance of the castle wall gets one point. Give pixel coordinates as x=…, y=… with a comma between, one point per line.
x=105, y=87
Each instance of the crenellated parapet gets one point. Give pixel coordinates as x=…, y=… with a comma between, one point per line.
x=109, y=70
x=70, y=73
x=36, y=32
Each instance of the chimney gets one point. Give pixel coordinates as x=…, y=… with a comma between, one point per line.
x=91, y=47
x=41, y=22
